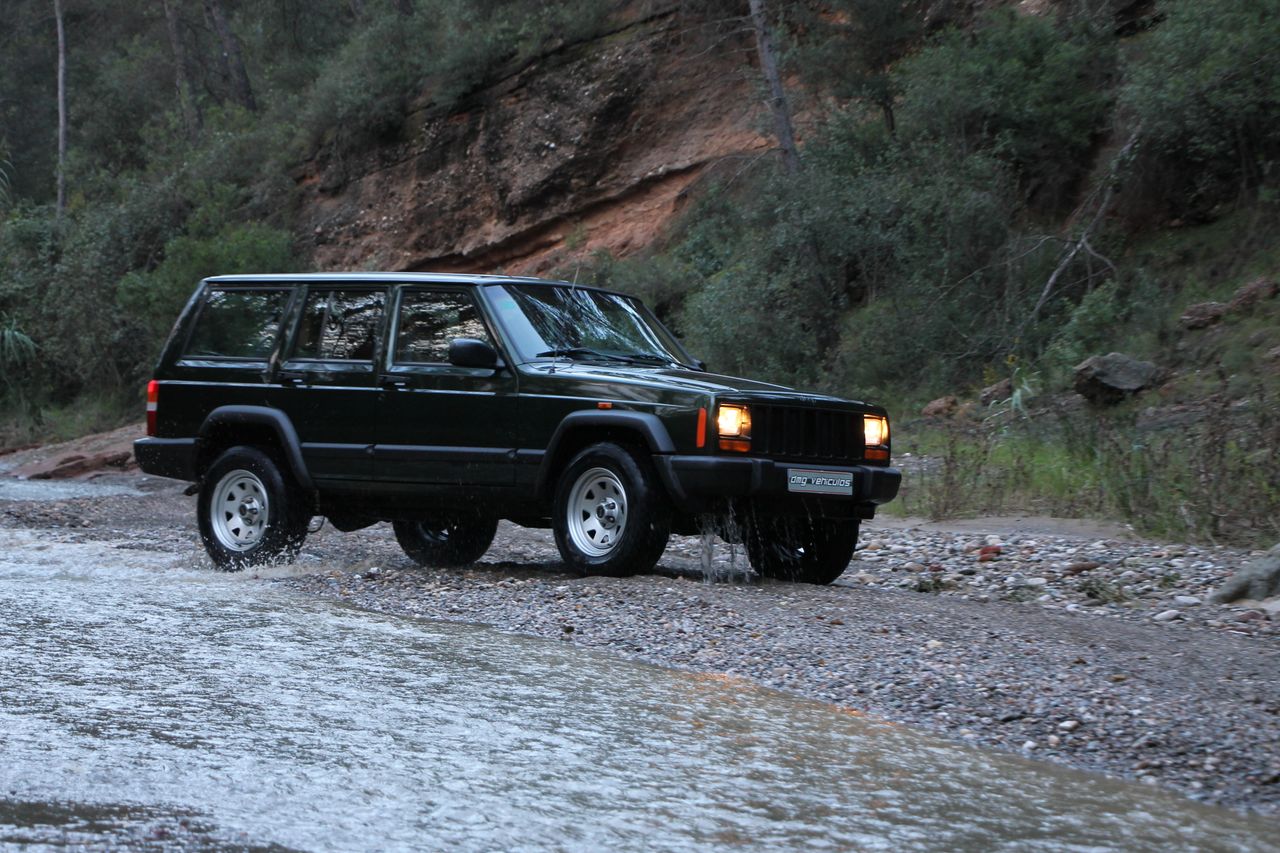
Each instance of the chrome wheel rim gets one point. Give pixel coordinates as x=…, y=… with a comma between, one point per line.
x=597, y=512
x=239, y=510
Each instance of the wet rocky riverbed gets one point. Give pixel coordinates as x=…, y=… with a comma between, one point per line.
x=1189, y=703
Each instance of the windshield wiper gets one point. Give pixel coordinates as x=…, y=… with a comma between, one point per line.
x=626, y=358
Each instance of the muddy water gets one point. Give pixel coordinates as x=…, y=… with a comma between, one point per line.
x=144, y=701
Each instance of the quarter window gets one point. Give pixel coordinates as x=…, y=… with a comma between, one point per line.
x=340, y=325
x=429, y=320
x=238, y=324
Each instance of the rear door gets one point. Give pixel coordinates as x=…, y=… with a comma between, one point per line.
x=327, y=379
x=439, y=424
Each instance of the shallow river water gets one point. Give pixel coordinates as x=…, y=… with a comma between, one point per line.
x=148, y=701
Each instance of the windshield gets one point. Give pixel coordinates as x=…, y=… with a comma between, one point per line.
x=573, y=322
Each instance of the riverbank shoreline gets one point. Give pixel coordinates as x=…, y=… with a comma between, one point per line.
x=1190, y=703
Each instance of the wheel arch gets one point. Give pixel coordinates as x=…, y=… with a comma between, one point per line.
x=581, y=429
x=228, y=426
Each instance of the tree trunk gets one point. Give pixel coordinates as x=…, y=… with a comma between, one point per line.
x=62, y=110
x=782, y=127
x=891, y=124
x=191, y=115
x=232, y=57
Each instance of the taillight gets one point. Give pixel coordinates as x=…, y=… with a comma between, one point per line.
x=153, y=403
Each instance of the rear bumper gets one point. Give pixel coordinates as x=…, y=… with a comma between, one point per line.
x=703, y=483
x=167, y=457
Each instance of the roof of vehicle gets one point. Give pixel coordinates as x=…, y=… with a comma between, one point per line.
x=391, y=278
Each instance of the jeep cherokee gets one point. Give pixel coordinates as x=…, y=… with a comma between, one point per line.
x=443, y=403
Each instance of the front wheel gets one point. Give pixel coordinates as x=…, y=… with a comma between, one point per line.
x=250, y=512
x=807, y=550
x=610, y=517
x=446, y=539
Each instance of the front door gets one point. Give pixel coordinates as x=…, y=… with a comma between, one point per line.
x=441, y=425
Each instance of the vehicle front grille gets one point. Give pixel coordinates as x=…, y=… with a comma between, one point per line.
x=803, y=434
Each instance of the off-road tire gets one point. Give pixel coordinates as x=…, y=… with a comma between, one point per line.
x=610, y=515
x=446, y=539
x=261, y=515
x=804, y=550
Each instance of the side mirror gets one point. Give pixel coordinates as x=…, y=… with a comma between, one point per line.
x=469, y=352
x=700, y=364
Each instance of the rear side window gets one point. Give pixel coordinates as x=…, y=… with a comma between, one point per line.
x=340, y=325
x=429, y=320
x=238, y=324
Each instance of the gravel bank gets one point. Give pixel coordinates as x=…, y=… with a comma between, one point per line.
x=1190, y=702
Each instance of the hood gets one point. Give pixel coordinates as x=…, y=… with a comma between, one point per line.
x=677, y=379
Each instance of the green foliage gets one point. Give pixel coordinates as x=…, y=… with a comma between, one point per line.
x=16, y=350
x=153, y=299
x=853, y=43
x=447, y=49
x=1213, y=476
x=1028, y=88
x=1204, y=88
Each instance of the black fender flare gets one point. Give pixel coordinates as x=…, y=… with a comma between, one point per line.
x=649, y=426
x=274, y=419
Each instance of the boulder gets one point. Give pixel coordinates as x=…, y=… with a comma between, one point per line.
x=1252, y=293
x=1257, y=580
x=1108, y=379
x=1002, y=390
x=1202, y=315
x=943, y=407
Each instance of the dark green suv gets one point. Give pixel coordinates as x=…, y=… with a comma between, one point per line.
x=443, y=403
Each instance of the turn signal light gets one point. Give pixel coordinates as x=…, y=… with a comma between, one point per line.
x=153, y=403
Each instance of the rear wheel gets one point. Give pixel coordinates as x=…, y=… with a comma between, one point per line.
x=610, y=516
x=801, y=549
x=446, y=539
x=250, y=511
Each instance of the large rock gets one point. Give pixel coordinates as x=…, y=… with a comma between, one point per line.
x=1252, y=293
x=1202, y=315
x=1001, y=390
x=1258, y=580
x=943, y=407
x=1108, y=379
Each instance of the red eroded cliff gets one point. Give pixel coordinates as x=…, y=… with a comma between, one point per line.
x=592, y=146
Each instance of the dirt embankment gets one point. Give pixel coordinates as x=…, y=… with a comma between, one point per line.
x=593, y=146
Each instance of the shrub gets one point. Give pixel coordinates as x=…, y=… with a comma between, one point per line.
x=1205, y=90
x=1027, y=87
x=153, y=299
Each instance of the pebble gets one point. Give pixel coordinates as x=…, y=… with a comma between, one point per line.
x=1167, y=616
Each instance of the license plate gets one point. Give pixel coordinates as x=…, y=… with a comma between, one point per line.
x=819, y=482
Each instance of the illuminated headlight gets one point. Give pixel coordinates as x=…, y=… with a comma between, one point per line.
x=875, y=430
x=734, y=422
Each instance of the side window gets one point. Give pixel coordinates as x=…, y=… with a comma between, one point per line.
x=430, y=319
x=238, y=324
x=339, y=325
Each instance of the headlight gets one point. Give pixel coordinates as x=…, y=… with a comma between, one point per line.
x=875, y=430
x=734, y=421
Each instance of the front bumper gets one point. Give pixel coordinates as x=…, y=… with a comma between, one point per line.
x=167, y=457
x=706, y=483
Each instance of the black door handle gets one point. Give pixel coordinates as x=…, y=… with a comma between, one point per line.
x=394, y=384
x=291, y=377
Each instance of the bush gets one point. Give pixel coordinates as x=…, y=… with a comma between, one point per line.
x=1205, y=90
x=1026, y=87
x=153, y=299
